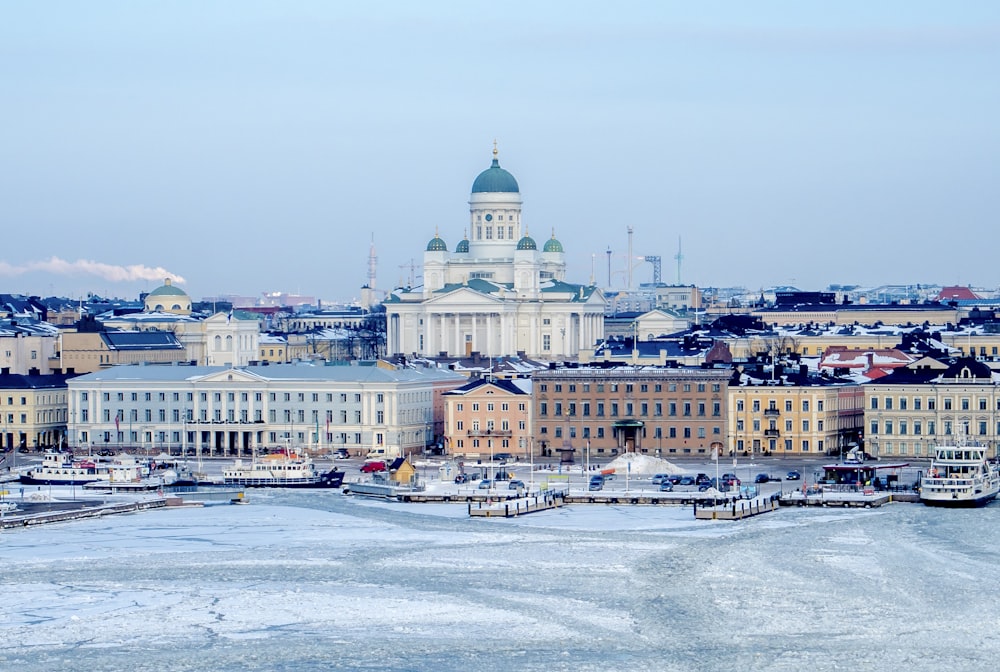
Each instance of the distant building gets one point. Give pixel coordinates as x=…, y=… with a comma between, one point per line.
x=487, y=416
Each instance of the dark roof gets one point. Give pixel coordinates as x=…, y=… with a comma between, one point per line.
x=503, y=384
x=141, y=340
x=18, y=381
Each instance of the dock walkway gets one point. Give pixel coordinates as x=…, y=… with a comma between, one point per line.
x=737, y=509
x=518, y=506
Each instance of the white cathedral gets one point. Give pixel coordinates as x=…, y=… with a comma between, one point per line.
x=496, y=294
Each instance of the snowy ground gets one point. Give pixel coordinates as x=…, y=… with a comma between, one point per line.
x=310, y=581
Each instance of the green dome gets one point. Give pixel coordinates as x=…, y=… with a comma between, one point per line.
x=437, y=245
x=495, y=179
x=527, y=243
x=463, y=246
x=552, y=245
x=167, y=289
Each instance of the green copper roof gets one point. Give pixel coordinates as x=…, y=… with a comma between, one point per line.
x=437, y=245
x=463, y=246
x=168, y=290
x=495, y=179
x=552, y=245
x=527, y=243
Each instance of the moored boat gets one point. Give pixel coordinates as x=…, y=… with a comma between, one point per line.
x=281, y=471
x=960, y=476
x=59, y=469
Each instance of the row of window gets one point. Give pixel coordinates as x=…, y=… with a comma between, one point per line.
x=806, y=424
x=490, y=406
x=903, y=427
x=686, y=408
x=288, y=415
x=947, y=403
x=772, y=405
x=230, y=396
x=686, y=432
x=630, y=387
x=772, y=446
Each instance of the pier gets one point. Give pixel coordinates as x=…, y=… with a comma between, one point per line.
x=29, y=518
x=518, y=506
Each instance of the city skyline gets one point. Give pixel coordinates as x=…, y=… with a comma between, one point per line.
x=248, y=148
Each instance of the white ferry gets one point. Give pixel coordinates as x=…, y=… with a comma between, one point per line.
x=60, y=469
x=960, y=475
x=281, y=471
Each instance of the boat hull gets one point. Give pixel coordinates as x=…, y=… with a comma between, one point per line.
x=960, y=502
x=331, y=479
x=43, y=480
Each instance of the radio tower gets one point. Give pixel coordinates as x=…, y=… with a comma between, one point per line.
x=372, y=262
x=679, y=257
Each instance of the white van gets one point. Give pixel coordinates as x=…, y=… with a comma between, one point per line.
x=383, y=453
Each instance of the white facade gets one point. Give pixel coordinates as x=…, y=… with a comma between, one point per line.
x=219, y=340
x=222, y=410
x=497, y=293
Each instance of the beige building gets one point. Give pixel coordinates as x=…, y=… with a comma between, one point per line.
x=88, y=351
x=930, y=403
x=489, y=416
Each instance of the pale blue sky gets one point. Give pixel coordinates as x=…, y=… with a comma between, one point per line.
x=257, y=146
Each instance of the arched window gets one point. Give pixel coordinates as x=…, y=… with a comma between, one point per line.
x=218, y=343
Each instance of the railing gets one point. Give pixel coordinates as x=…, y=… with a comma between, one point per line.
x=772, y=433
x=490, y=432
x=772, y=412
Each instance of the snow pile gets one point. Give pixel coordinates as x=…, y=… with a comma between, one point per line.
x=642, y=464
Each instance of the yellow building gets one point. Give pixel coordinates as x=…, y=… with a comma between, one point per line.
x=793, y=414
x=33, y=410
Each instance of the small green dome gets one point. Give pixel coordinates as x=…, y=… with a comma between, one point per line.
x=437, y=245
x=495, y=179
x=552, y=245
x=463, y=246
x=527, y=243
x=167, y=289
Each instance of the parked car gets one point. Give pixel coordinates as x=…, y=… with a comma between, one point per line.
x=666, y=486
x=658, y=478
x=461, y=478
x=515, y=485
x=701, y=479
x=596, y=483
x=730, y=479
x=686, y=480
x=674, y=479
x=793, y=476
x=341, y=454
x=503, y=457
x=373, y=467
x=485, y=484
x=761, y=478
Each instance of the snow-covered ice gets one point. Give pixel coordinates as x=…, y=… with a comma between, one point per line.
x=309, y=581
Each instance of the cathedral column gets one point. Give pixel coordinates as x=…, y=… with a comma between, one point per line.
x=444, y=331
x=426, y=348
x=489, y=334
x=459, y=350
x=475, y=342
x=533, y=337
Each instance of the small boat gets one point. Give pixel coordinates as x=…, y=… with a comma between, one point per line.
x=60, y=469
x=960, y=476
x=281, y=470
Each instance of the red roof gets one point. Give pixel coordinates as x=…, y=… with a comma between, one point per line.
x=956, y=294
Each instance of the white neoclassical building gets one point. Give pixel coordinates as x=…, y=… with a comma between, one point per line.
x=497, y=294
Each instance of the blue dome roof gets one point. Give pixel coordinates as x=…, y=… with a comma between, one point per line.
x=463, y=246
x=552, y=245
x=495, y=179
x=527, y=243
x=437, y=245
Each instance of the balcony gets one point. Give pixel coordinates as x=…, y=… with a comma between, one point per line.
x=490, y=432
x=772, y=412
x=772, y=433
